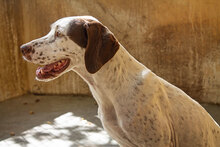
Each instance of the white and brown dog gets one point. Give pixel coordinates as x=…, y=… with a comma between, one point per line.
x=136, y=107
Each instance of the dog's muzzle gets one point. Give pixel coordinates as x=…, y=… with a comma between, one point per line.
x=26, y=50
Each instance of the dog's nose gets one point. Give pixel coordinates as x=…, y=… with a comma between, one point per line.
x=26, y=49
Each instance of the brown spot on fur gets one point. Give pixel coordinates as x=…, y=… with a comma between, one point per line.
x=33, y=50
x=51, y=41
x=151, y=121
x=153, y=129
x=182, y=117
x=140, y=82
x=213, y=131
x=115, y=69
x=127, y=115
x=77, y=32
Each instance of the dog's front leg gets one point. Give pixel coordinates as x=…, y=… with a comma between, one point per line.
x=117, y=133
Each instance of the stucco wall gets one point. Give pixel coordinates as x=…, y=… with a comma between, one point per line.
x=178, y=40
x=13, y=70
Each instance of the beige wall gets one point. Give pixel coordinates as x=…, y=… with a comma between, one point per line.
x=13, y=71
x=178, y=40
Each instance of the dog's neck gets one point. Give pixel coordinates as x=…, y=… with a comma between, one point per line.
x=115, y=76
x=122, y=68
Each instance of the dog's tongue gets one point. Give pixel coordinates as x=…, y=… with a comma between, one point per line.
x=46, y=68
x=50, y=69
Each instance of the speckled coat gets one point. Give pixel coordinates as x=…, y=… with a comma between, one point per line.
x=138, y=108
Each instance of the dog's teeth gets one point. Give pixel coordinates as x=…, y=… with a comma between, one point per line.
x=41, y=71
x=59, y=63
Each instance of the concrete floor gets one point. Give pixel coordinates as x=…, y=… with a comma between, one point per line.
x=65, y=121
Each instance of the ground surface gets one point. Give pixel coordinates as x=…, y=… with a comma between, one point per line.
x=63, y=121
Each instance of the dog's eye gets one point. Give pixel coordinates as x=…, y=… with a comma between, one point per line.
x=58, y=34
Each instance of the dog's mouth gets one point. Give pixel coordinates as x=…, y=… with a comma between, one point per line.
x=53, y=69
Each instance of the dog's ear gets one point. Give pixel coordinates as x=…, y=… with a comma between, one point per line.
x=101, y=46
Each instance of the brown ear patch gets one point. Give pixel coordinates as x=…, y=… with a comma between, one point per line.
x=101, y=46
x=77, y=32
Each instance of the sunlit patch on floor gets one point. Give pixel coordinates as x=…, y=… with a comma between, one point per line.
x=66, y=130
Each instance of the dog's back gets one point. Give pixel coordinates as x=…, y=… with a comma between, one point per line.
x=192, y=124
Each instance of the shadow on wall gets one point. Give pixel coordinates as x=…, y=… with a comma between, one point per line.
x=187, y=55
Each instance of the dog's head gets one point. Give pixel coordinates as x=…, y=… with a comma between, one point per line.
x=72, y=42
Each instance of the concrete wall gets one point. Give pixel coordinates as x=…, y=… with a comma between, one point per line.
x=178, y=40
x=13, y=70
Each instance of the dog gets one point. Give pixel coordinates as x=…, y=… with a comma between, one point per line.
x=136, y=107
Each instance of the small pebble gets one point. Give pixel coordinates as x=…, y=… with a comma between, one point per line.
x=31, y=112
x=12, y=133
x=37, y=100
x=25, y=103
x=48, y=122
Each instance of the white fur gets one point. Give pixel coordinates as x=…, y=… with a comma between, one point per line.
x=136, y=107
